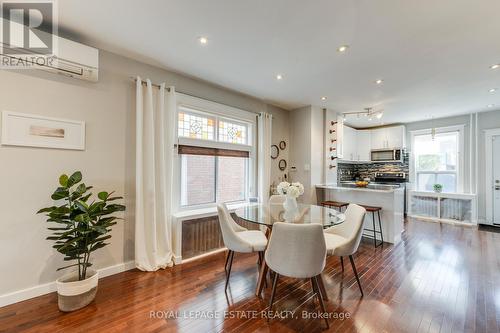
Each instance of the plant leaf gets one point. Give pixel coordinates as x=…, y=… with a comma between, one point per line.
x=63, y=180
x=75, y=178
x=103, y=195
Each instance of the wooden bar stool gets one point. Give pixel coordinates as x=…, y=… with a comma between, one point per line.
x=373, y=210
x=335, y=204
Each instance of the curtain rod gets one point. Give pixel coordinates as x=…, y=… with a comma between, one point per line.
x=188, y=94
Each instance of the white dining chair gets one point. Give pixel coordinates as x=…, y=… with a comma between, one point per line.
x=276, y=199
x=297, y=251
x=238, y=239
x=343, y=239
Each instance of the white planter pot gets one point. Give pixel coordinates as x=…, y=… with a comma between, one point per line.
x=74, y=294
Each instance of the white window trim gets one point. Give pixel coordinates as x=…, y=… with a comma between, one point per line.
x=224, y=112
x=461, y=146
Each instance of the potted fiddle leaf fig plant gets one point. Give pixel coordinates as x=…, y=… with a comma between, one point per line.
x=80, y=225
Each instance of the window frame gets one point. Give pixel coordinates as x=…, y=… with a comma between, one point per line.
x=460, y=174
x=216, y=111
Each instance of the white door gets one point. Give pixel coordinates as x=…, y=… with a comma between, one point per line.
x=496, y=179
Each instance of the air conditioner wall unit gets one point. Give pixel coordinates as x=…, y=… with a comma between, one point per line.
x=70, y=58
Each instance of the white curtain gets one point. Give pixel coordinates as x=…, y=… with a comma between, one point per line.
x=264, y=155
x=154, y=173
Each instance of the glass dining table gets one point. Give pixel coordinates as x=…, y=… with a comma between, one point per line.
x=268, y=214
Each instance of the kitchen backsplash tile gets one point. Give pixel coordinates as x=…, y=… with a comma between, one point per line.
x=350, y=172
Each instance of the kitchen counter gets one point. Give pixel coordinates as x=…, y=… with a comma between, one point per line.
x=389, y=198
x=369, y=188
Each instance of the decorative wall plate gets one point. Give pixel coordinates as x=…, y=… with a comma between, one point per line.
x=275, y=152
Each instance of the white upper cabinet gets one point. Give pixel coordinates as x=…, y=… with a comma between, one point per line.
x=363, y=142
x=378, y=138
x=388, y=137
x=356, y=145
x=349, y=144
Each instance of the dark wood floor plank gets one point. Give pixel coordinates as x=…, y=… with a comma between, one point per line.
x=440, y=278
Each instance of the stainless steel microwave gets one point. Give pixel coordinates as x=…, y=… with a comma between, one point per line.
x=387, y=155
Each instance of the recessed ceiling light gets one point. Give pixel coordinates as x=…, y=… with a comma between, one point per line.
x=324, y=98
x=379, y=81
x=343, y=48
x=492, y=90
x=203, y=40
x=495, y=66
x=279, y=77
x=379, y=115
x=491, y=105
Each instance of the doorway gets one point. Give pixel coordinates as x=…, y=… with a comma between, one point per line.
x=492, y=154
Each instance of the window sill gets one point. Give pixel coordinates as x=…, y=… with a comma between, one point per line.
x=202, y=212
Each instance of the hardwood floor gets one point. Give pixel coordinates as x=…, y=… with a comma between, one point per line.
x=441, y=278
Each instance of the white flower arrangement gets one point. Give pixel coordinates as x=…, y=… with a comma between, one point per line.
x=293, y=190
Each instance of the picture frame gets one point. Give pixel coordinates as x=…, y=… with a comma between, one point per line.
x=30, y=130
x=275, y=152
x=282, y=145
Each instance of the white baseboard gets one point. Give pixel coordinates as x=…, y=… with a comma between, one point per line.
x=42, y=289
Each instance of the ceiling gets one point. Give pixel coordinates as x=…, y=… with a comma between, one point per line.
x=434, y=56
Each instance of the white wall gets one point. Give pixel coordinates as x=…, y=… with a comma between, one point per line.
x=300, y=148
x=307, y=154
x=29, y=175
x=280, y=133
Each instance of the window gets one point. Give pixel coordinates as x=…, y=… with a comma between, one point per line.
x=437, y=159
x=195, y=126
x=232, y=133
x=210, y=179
x=215, y=157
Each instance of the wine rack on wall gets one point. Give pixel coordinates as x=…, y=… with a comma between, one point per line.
x=333, y=135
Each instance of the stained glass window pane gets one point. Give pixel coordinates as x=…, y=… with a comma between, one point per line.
x=232, y=133
x=196, y=126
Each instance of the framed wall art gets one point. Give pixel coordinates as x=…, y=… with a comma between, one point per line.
x=21, y=129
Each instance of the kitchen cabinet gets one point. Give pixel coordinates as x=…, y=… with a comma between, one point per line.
x=356, y=145
x=388, y=137
x=349, y=144
x=363, y=145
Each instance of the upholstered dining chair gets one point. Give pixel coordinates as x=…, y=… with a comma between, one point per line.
x=343, y=239
x=297, y=251
x=238, y=239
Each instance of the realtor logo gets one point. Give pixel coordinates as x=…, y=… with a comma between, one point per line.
x=28, y=34
x=28, y=26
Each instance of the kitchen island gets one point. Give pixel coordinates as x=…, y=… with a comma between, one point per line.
x=389, y=198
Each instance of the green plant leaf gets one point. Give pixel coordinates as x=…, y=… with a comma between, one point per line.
x=60, y=193
x=75, y=178
x=103, y=195
x=63, y=180
x=82, y=205
x=46, y=210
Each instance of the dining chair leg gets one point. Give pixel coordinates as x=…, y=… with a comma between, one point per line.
x=229, y=269
x=320, y=297
x=275, y=282
x=342, y=262
x=380, y=226
x=227, y=260
x=374, y=230
x=356, y=274
x=262, y=278
x=322, y=288
x=259, y=259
